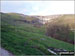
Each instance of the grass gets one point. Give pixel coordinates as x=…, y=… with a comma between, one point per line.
x=21, y=42
x=28, y=40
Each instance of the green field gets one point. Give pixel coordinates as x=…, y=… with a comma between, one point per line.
x=22, y=38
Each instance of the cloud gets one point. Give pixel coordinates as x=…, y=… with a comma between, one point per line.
x=54, y=7
x=39, y=7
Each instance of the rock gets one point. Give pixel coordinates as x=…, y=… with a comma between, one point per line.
x=4, y=52
x=57, y=49
x=42, y=39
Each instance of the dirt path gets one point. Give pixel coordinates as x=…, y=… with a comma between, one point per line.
x=4, y=52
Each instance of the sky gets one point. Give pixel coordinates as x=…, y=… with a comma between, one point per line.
x=38, y=7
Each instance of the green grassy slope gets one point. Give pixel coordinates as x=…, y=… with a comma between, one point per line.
x=26, y=39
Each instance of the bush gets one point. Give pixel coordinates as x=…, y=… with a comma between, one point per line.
x=59, y=31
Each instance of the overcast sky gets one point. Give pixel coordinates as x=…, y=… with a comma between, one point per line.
x=38, y=7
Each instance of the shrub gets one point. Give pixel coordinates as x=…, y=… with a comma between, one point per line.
x=59, y=31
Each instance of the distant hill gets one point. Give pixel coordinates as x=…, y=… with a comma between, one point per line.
x=62, y=19
x=45, y=19
x=21, y=16
x=20, y=19
x=66, y=19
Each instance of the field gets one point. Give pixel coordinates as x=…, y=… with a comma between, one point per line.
x=23, y=38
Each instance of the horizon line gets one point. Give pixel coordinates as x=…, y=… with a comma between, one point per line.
x=39, y=14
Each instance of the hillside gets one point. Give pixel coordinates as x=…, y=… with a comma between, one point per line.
x=62, y=28
x=22, y=16
x=67, y=19
x=24, y=38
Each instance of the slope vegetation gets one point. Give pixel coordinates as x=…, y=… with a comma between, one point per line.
x=62, y=28
x=25, y=39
